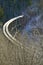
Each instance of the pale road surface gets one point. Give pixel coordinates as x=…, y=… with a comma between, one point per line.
x=6, y=32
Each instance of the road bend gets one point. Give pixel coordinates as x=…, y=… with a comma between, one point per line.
x=7, y=33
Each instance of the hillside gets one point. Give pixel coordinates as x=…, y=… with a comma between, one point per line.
x=11, y=54
x=30, y=33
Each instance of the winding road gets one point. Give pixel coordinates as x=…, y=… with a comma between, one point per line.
x=7, y=33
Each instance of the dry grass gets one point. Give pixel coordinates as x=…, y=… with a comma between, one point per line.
x=10, y=54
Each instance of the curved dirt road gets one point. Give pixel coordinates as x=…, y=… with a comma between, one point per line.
x=6, y=32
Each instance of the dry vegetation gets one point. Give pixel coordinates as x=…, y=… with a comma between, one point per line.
x=17, y=55
x=10, y=54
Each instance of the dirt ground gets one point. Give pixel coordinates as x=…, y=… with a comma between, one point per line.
x=10, y=54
